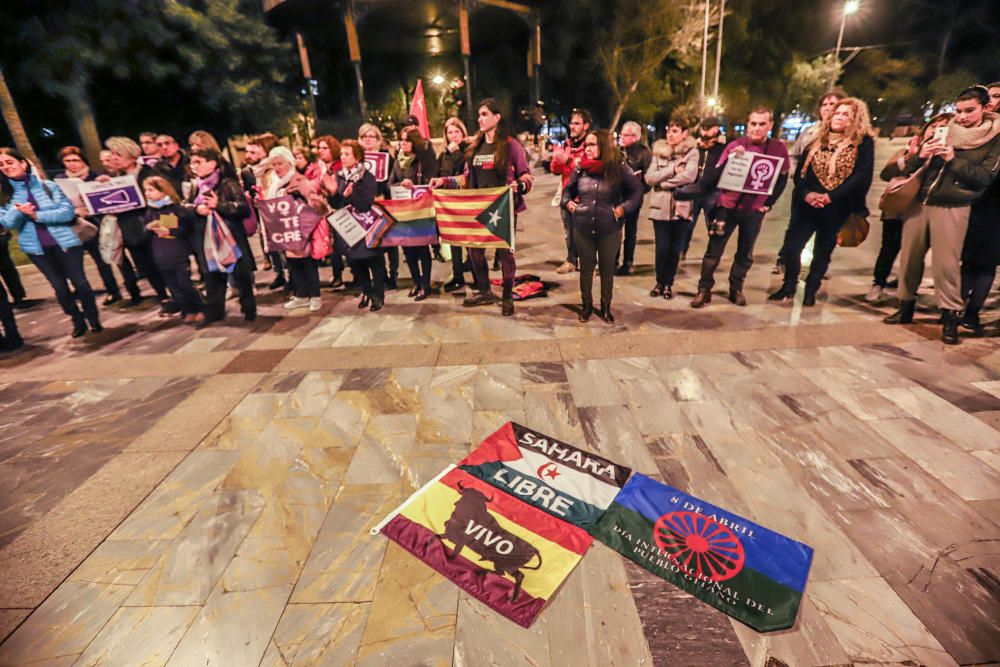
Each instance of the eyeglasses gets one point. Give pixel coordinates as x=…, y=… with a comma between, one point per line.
x=369, y=136
x=590, y=144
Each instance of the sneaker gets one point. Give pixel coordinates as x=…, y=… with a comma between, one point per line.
x=875, y=293
x=315, y=304
x=566, y=267
x=295, y=302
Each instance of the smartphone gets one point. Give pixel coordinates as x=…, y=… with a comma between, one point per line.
x=941, y=134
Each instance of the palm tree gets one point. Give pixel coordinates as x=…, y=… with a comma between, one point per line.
x=13, y=120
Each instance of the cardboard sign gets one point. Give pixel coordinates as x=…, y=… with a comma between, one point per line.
x=418, y=191
x=353, y=225
x=120, y=194
x=377, y=162
x=753, y=173
x=71, y=188
x=288, y=223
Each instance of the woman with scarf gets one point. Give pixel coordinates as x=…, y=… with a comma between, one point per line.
x=303, y=268
x=834, y=174
x=136, y=239
x=328, y=164
x=217, y=195
x=452, y=163
x=409, y=171
x=674, y=163
x=171, y=227
x=42, y=216
x=77, y=167
x=371, y=140
x=493, y=159
x=957, y=169
x=599, y=195
x=356, y=187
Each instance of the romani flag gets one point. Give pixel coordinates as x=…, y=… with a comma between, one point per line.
x=569, y=483
x=405, y=222
x=505, y=553
x=482, y=218
x=749, y=572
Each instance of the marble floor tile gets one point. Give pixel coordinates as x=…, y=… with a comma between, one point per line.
x=481, y=635
x=592, y=385
x=498, y=387
x=344, y=419
x=123, y=562
x=147, y=635
x=809, y=642
x=189, y=569
x=553, y=413
x=413, y=615
x=611, y=432
x=446, y=414
x=953, y=423
x=10, y=619
x=321, y=635
x=65, y=623
x=343, y=565
x=655, y=410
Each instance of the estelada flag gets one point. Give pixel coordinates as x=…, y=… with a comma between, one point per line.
x=501, y=551
x=753, y=574
x=482, y=218
x=408, y=222
x=567, y=482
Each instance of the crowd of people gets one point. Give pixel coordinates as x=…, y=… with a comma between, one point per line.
x=193, y=241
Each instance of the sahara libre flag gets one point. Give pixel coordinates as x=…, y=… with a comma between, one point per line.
x=569, y=483
x=505, y=553
x=751, y=573
x=405, y=222
x=482, y=218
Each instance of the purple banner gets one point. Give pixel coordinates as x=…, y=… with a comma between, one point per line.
x=288, y=223
x=115, y=195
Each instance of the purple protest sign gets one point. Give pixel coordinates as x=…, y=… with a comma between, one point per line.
x=377, y=162
x=753, y=173
x=116, y=195
x=288, y=223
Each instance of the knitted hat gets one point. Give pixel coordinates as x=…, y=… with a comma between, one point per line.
x=282, y=152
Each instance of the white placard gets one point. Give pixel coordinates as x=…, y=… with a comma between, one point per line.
x=347, y=226
x=752, y=173
x=71, y=188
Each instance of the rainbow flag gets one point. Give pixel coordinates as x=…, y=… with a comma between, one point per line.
x=481, y=218
x=569, y=483
x=753, y=574
x=505, y=553
x=404, y=222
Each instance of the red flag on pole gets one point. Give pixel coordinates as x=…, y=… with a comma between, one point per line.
x=418, y=108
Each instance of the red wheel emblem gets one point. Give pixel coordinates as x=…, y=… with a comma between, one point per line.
x=699, y=545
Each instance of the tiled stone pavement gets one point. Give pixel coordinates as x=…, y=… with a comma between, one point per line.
x=188, y=497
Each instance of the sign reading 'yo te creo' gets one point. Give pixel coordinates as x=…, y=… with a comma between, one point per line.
x=288, y=223
x=753, y=173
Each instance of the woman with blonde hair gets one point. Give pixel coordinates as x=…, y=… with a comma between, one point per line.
x=371, y=139
x=201, y=139
x=831, y=182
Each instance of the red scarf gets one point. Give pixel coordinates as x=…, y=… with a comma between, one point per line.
x=592, y=167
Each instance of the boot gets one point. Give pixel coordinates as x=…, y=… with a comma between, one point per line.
x=479, y=299
x=377, y=302
x=701, y=299
x=904, y=315
x=586, y=310
x=949, y=331
x=809, y=298
x=736, y=296
x=606, y=313
x=970, y=321
x=782, y=294
x=507, y=306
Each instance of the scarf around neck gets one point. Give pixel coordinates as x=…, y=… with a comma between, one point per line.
x=966, y=138
x=406, y=160
x=833, y=163
x=278, y=183
x=81, y=174
x=354, y=174
x=206, y=184
x=591, y=166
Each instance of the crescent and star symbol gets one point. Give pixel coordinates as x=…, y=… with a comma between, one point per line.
x=548, y=470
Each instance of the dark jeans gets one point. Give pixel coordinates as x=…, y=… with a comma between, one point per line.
x=976, y=283
x=391, y=266
x=177, y=276
x=457, y=265
x=748, y=224
x=631, y=236
x=418, y=258
x=337, y=264
x=597, y=250
x=481, y=272
x=369, y=274
x=706, y=204
x=277, y=262
x=567, y=219
x=305, y=276
x=93, y=248
x=215, y=291
x=58, y=266
x=892, y=239
x=671, y=237
x=9, y=272
x=805, y=222
x=142, y=257
x=7, y=321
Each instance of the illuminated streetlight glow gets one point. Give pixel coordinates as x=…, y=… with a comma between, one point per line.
x=438, y=79
x=851, y=6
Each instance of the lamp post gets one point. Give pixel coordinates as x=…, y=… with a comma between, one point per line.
x=850, y=7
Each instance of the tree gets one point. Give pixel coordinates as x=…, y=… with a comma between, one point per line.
x=810, y=79
x=893, y=83
x=13, y=120
x=641, y=36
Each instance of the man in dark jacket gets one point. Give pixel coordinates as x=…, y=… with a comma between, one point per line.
x=637, y=157
x=962, y=166
x=565, y=160
x=710, y=147
x=173, y=164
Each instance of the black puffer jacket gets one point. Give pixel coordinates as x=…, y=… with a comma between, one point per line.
x=597, y=199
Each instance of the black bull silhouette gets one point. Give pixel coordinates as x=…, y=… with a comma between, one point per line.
x=470, y=510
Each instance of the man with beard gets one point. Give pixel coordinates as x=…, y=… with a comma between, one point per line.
x=710, y=147
x=254, y=176
x=564, y=161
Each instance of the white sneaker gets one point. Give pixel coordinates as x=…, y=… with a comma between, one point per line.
x=314, y=304
x=875, y=293
x=566, y=267
x=295, y=302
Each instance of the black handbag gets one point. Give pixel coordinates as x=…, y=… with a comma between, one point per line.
x=689, y=192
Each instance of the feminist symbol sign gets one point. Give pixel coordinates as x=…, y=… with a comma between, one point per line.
x=750, y=172
x=288, y=222
x=760, y=173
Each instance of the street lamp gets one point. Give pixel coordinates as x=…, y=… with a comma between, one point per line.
x=850, y=7
x=437, y=80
